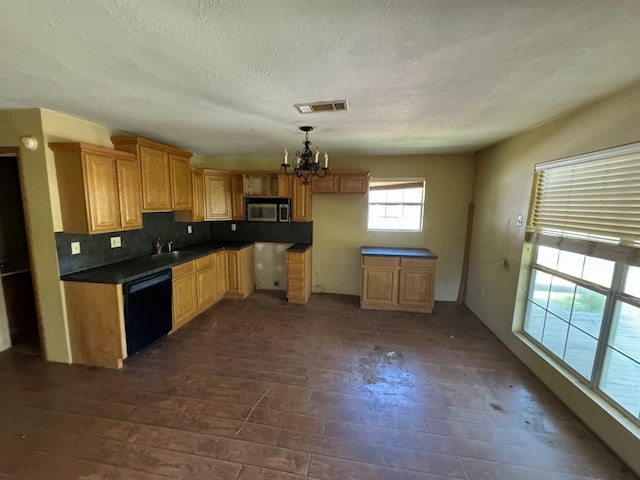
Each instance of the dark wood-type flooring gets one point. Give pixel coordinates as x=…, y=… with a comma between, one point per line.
x=259, y=389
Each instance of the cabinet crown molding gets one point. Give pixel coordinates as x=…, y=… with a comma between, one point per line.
x=88, y=147
x=135, y=140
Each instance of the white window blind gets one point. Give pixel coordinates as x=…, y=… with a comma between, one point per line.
x=594, y=197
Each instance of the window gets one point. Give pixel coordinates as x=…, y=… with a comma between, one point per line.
x=396, y=205
x=583, y=301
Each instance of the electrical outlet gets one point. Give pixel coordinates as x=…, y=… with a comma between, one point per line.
x=519, y=220
x=116, y=242
x=233, y=227
x=75, y=248
x=189, y=229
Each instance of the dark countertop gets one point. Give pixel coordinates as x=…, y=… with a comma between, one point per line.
x=299, y=247
x=398, y=252
x=136, y=268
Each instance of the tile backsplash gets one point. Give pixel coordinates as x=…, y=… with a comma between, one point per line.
x=96, y=249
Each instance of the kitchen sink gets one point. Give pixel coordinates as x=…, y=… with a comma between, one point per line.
x=176, y=254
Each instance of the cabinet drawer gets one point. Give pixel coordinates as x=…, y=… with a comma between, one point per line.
x=183, y=269
x=429, y=263
x=204, y=261
x=379, y=261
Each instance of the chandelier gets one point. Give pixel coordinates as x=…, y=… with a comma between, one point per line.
x=307, y=163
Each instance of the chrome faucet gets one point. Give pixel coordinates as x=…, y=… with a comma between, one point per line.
x=170, y=246
x=158, y=246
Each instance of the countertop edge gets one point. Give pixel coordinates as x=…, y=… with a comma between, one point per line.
x=398, y=252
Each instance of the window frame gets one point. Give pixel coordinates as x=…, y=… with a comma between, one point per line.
x=614, y=294
x=399, y=181
x=591, y=222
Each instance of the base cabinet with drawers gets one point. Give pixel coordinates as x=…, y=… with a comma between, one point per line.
x=299, y=276
x=398, y=279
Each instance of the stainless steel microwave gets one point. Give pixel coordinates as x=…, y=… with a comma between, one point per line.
x=268, y=209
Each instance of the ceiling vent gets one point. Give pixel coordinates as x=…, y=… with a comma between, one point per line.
x=332, y=106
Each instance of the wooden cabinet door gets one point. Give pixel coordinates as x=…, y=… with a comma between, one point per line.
x=328, y=184
x=156, y=179
x=101, y=192
x=221, y=275
x=233, y=273
x=180, y=174
x=205, y=286
x=237, y=197
x=416, y=287
x=197, y=184
x=284, y=185
x=129, y=191
x=353, y=184
x=300, y=201
x=380, y=285
x=185, y=300
x=217, y=196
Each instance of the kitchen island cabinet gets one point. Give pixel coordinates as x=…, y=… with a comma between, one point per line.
x=398, y=279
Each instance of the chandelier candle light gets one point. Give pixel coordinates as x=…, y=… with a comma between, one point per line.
x=305, y=165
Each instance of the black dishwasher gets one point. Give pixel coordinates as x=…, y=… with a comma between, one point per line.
x=147, y=310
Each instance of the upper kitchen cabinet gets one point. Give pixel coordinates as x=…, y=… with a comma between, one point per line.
x=165, y=173
x=180, y=174
x=196, y=213
x=300, y=201
x=342, y=182
x=99, y=188
x=217, y=195
x=237, y=196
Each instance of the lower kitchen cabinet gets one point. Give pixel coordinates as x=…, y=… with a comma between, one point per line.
x=299, y=276
x=221, y=275
x=95, y=314
x=185, y=298
x=205, y=281
x=396, y=282
x=240, y=264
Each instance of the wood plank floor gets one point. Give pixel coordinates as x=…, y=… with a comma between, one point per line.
x=258, y=389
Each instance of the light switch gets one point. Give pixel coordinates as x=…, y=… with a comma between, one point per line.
x=116, y=242
x=75, y=248
x=189, y=229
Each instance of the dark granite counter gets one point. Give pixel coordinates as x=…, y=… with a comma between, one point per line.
x=136, y=268
x=398, y=252
x=299, y=247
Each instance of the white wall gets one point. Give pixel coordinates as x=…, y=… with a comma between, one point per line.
x=271, y=265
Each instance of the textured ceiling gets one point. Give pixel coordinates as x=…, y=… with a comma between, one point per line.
x=221, y=76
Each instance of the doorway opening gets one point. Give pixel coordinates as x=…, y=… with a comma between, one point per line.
x=15, y=259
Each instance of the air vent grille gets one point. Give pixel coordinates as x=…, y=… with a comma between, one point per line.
x=331, y=106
